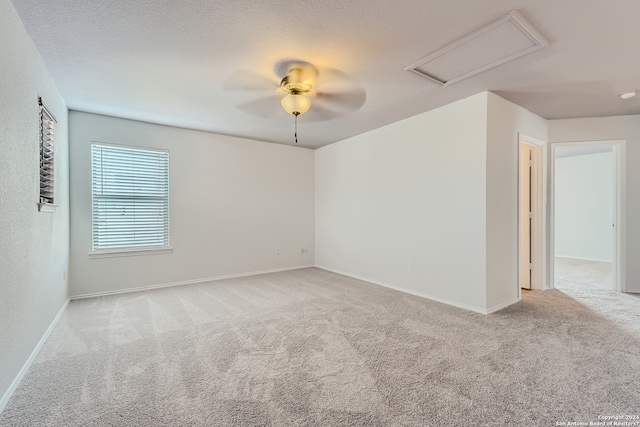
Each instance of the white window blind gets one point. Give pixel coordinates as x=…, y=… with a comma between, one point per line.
x=130, y=189
x=46, y=154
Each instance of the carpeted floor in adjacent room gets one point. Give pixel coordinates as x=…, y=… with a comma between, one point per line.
x=313, y=348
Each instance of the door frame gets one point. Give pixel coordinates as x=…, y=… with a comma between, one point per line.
x=538, y=203
x=619, y=207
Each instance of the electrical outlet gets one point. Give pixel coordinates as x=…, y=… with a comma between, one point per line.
x=277, y=250
x=303, y=251
x=411, y=265
x=64, y=274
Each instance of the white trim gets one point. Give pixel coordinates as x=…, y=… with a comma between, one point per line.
x=186, y=282
x=128, y=147
x=411, y=292
x=111, y=253
x=514, y=17
x=47, y=207
x=620, y=216
x=619, y=247
x=16, y=381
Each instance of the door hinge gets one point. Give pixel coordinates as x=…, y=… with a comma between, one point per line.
x=530, y=266
x=530, y=163
x=530, y=215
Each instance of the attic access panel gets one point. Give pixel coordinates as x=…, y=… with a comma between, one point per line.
x=502, y=40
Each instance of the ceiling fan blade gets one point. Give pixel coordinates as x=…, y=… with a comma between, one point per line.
x=339, y=91
x=344, y=101
x=247, y=81
x=318, y=113
x=265, y=107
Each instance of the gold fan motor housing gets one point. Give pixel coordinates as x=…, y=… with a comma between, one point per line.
x=296, y=83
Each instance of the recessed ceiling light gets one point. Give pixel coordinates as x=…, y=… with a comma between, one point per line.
x=628, y=95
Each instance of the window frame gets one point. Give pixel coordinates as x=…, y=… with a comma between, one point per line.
x=133, y=249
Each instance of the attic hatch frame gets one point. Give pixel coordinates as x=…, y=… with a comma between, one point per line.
x=512, y=17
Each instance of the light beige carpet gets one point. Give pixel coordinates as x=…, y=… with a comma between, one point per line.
x=587, y=273
x=313, y=348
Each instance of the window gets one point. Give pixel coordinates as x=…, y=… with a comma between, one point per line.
x=47, y=122
x=130, y=198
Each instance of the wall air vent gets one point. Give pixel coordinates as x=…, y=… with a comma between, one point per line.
x=502, y=40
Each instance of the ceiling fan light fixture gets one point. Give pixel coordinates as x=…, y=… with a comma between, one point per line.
x=296, y=104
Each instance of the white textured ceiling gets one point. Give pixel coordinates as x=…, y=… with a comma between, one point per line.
x=175, y=63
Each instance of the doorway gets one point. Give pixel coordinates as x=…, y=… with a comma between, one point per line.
x=530, y=213
x=586, y=215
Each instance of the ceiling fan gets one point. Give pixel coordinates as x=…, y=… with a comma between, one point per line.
x=320, y=94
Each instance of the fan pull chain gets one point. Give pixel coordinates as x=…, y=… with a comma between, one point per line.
x=296, y=129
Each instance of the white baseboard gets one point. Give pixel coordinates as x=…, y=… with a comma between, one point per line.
x=187, y=282
x=412, y=292
x=16, y=381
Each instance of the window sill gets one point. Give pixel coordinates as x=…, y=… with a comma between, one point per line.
x=111, y=253
x=46, y=207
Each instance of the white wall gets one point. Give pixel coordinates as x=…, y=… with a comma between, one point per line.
x=439, y=189
x=34, y=246
x=232, y=201
x=410, y=191
x=606, y=129
x=584, y=206
x=505, y=122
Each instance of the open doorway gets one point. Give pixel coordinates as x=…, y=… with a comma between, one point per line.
x=586, y=201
